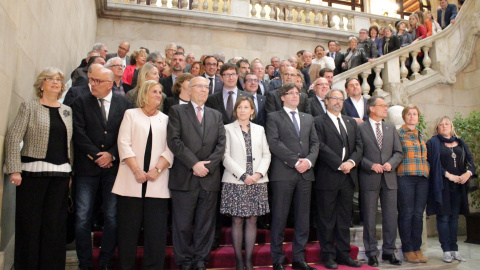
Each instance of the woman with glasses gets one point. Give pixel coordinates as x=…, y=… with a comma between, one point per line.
x=41, y=173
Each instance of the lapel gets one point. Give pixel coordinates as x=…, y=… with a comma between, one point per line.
x=261, y=103
x=351, y=108
x=93, y=103
x=369, y=130
x=112, y=113
x=289, y=121
x=279, y=101
x=385, y=130
x=331, y=125
x=207, y=121
x=238, y=132
x=190, y=112
x=350, y=130
x=317, y=104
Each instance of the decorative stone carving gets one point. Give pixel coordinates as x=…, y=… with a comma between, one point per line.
x=448, y=73
x=398, y=92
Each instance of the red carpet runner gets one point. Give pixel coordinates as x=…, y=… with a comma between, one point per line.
x=224, y=258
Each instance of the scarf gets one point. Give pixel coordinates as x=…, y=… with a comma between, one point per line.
x=385, y=47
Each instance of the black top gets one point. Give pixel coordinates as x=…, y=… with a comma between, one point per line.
x=449, y=164
x=57, y=151
x=146, y=160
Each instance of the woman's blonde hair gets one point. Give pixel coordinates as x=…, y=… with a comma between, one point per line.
x=439, y=120
x=142, y=98
x=135, y=54
x=48, y=73
x=143, y=73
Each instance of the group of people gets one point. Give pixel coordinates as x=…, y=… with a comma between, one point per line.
x=232, y=140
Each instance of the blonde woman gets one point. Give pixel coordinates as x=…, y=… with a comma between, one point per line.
x=147, y=72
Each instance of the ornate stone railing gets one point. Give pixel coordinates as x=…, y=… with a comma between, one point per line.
x=316, y=15
x=219, y=6
x=444, y=55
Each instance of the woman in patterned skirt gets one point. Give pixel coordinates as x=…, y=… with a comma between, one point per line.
x=244, y=192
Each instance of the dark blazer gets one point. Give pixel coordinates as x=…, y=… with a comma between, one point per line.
x=167, y=83
x=276, y=83
x=215, y=101
x=306, y=76
x=218, y=84
x=287, y=148
x=91, y=135
x=111, y=55
x=450, y=13
x=81, y=80
x=358, y=58
x=261, y=113
x=316, y=108
x=169, y=102
x=240, y=84
x=393, y=44
x=189, y=145
x=74, y=92
x=275, y=103
x=339, y=59
x=351, y=111
x=330, y=151
x=266, y=86
x=391, y=152
x=369, y=47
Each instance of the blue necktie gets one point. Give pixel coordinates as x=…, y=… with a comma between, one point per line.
x=295, y=123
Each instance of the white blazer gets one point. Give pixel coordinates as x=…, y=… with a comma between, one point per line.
x=132, y=140
x=235, y=158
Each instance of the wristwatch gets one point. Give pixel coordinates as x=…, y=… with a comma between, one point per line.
x=158, y=170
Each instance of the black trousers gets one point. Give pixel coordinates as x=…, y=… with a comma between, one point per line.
x=41, y=223
x=132, y=213
x=334, y=215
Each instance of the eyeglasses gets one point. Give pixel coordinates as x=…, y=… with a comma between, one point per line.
x=51, y=79
x=321, y=84
x=293, y=93
x=229, y=74
x=204, y=86
x=337, y=99
x=252, y=80
x=97, y=81
x=382, y=105
x=117, y=66
x=210, y=64
x=290, y=74
x=120, y=47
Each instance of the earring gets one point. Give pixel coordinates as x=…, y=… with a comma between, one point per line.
x=41, y=89
x=251, y=117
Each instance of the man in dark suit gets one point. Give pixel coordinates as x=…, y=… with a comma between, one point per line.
x=383, y=153
x=215, y=83
x=96, y=121
x=294, y=151
x=317, y=103
x=243, y=68
x=277, y=82
x=224, y=101
x=177, y=64
x=355, y=105
x=263, y=86
x=324, y=73
x=76, y=91
x=251, y=83
x=339, y=57
x=274, y=101
x=367, y=44
x=123, y=49
x=81, y=77
x=336, y=174
x=196, y=137
x=446, y=14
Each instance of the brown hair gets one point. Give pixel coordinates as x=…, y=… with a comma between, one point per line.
x=408, y=108
x=177, y=87
x=135, y=54
x=237, y=103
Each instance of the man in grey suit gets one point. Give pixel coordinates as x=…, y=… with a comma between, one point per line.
x=294, y=151
x=383, y=153
x=196, y=137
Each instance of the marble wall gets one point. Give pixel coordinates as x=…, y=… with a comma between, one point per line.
x=36, y=34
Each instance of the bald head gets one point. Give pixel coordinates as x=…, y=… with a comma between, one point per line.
x=289, y=75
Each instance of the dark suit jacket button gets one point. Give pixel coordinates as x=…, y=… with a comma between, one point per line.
x=253, y=158
x=103, y=146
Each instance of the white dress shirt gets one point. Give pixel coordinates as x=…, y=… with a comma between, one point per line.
x=107, y=101
x=374, y=126
x=195, y=106
x=225, y=96
x=359, y=106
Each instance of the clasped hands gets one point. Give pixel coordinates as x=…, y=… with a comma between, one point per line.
x=199, y=169
x=346, y=166
x=105, y=160
x=379, y=168
x=142, y=177
x=460, y=179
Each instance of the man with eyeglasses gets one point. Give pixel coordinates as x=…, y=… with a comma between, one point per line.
x=379, y=179
x=274, y=101
x=294, y=146
x=251, y=86
x=224, y=101
x=116, y=66
x=122, y=51
x=317, y=103
x=196, y=137
x=215, y=83
x=170, y=50
x=355, y=105
x=336, y=175
x=96, y=121
x=176, y=67
x=76, y=91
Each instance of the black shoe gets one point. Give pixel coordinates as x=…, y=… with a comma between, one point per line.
x=185, y=267
x=350, y=262
x=106, y=267
x=215, y=245
x=330, y=264
x=302, y=265
x=278, y=266
x=391, y=259
x=372, y=261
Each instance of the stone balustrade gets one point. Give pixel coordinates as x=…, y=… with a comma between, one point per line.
x=217, y=6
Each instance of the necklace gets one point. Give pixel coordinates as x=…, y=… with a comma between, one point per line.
x=454, y=156
x=148, y=113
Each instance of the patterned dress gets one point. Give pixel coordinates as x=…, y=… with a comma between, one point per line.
x=240, y=200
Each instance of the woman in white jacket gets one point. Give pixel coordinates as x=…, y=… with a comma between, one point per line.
x=244, y=191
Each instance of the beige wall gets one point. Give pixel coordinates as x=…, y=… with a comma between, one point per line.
x=36, y=34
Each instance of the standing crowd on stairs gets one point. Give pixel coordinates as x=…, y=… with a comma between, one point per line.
x=166, y=142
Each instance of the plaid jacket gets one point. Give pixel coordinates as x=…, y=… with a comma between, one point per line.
x=414, y=153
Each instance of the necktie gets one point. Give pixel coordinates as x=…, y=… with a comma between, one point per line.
x=210, y=86
x=199, y=114
x=333, y=55
x=102, y=107
x=379, y=136
x=295, y=123
x=323, y=105
x=343, y=132
x=230, y=105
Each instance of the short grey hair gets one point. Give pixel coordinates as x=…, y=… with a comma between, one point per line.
x=372, y=102
x=171, y=44
x=329, y=93
x=110, y=61
x=350, y=39
x=97, y=46
x=152, y=57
